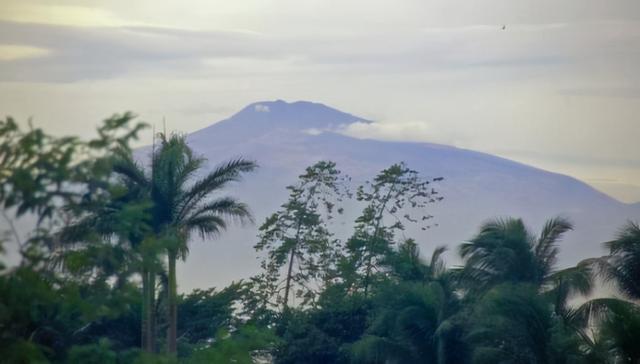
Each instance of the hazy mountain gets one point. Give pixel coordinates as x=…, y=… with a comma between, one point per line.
x=286, y=137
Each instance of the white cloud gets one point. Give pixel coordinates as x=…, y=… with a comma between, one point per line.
x=313, y=131
x=261, y=108
x=417, y=131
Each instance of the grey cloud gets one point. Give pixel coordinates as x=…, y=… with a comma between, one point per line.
x=98, y=53
x=90, y=53
x=621, y=92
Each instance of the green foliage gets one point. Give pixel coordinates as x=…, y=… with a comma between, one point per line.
x=242, y=346
x=512, y=325
x=413, y=318
x=203, y=313
x=404, y=328
x=296, y=238
x=505, y=251
x=105, y=226
x=324, y=334
x=395, y=193
x=99, y=353
x=39, y=172
x=622, y=267
x=180, y=204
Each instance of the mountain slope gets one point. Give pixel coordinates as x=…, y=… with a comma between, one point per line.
x=286, y=137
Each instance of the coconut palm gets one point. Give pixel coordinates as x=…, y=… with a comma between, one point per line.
x=616, y=321
x=614, y=325
x=413, y=313
x=505, y=251
x=183, y=204
x=622, y=266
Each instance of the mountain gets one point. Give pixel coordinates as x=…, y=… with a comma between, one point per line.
x=286, y=137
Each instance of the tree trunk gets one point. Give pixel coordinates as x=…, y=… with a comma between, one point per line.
x=367, y=275
x=151, y=313
x=288, y=284
x=376, y=230
x=173, y=306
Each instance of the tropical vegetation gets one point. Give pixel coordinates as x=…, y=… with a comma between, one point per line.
x=93, y=278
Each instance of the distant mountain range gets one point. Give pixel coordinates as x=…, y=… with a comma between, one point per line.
x=284, y=138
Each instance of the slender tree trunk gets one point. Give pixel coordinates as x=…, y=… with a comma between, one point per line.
x=144, y=339
x=288, y=284
x=151, y=313
x=375, y=235
x=367, y=275
x=173, y=306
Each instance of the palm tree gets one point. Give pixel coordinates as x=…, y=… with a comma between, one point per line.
x=616, y=321
x=622, y=266
x=404, y=327
x=614, y=325
x=182, y=204
x=507, y=264
x=414, y=313
x=504, y=251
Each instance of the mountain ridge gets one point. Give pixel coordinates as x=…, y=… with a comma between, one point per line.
x=255, y=108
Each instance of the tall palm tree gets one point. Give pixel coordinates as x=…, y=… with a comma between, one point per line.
x=183, y=204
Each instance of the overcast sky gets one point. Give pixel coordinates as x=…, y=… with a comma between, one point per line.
x=558, y=88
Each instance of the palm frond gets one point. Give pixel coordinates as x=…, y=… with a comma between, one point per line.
x=437, y=265
x=207, y=225
x=546, y=248
x=627, y=239
x=622, y=266
x=578, y=279
x=600, y=309
x=221, y=176
x=226, y=207
x=129, y=170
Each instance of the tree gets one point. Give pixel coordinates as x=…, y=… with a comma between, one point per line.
x=505, y=251
x=407, y=265
x=182, y=204
x=614, y=325
x=395, y=193
x=512, y=276
x=204, y=313
x=622, y=266
x=46, y=307
x=297, y=235
x=413, y=317
x=49, y=177
x=615, y=322
x=512, y=324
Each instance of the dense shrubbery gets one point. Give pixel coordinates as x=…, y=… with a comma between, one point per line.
x=95, y=281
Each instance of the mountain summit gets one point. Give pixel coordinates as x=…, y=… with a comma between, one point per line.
x=297, y=115
x=476, y=186
x=268, y=116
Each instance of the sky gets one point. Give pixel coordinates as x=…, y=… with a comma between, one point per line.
x=554, y=84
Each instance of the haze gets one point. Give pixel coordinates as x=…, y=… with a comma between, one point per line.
x=551, y=84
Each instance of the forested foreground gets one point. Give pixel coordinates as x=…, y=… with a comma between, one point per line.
x=95, y=278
